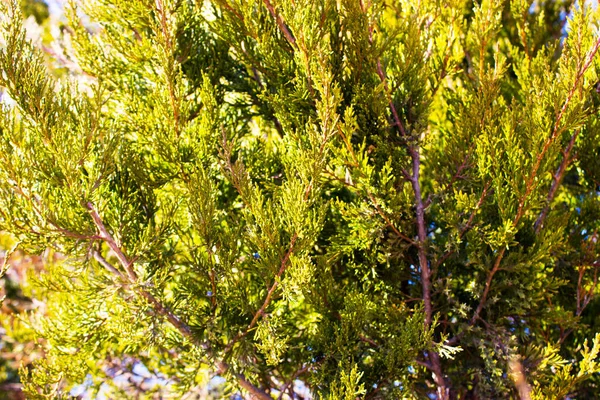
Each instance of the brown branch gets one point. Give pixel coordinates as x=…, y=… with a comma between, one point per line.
x=389, y=222
x=591, y=290
x=399, y=124
x=12, y=387
x=556, y=130
x=213, y=282
x=286, y=257
x=37, y=205
x=255, y=392
x=256, y=101
x=282, y=269
x=108, y=266
x=280, y=23
x=160, y=308
x=377, y=208
x=585, y=296
x=517, y=373
x=64, y=61
x=225, y=4
x=114, y=246
x=463, y=166
x=415, y=156
x=422, y=234
x=581, y=273
x=369, y=341
x=133, y=279
x=488, y=284
x=424, y=364
x=444, y=69
x=580, y=73
x=373, y=393
x=557, y=180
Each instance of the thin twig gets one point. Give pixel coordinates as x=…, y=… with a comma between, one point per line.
x=225, y=4
x=114, y=246
x=168, y=42
x=381, y=213
x=424, y=364
x=268, y=298
x=415, y=156
x=556, y=181
x=108, y=266
x=389, y=222
x=369, y=341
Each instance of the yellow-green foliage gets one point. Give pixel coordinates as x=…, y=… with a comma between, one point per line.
x=376, y=198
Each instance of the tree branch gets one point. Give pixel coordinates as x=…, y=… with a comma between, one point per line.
x=295, y=376
x=532, y=177
x=415, y=156
x=557, y=180
x=279, y=20
x=465, y=228
x=389, y=222
x=168, y=48
x=114, y=246
x=161, y=309
x=108, y=266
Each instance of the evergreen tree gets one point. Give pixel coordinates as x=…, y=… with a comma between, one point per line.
x=366, y=199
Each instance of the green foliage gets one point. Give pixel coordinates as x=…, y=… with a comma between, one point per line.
x=38, y=9
x=348, y=386
x=561, y=379
x=383, y=199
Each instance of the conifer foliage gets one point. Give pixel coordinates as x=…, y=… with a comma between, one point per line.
x=356, y=198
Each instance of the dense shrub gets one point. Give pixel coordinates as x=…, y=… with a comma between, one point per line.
x=356, y=198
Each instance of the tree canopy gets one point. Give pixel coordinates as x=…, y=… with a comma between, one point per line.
x=338, y=199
